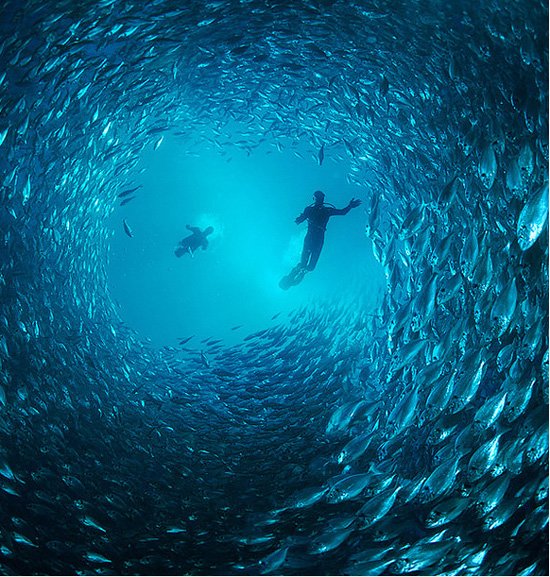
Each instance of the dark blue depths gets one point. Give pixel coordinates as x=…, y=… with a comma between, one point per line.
x=411, y=441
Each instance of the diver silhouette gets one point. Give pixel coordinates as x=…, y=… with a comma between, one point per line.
x=191, y=243
x=317, y=215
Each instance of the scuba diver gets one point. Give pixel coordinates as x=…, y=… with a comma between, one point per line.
x=192, y=242
x=317, y=215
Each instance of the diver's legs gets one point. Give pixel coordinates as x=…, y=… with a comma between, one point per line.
x=315, y=253
x=306, y=252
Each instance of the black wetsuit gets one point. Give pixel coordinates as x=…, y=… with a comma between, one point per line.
x=192, y=242
x=317, y=216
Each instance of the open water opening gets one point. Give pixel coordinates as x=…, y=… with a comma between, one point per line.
x=251, y=199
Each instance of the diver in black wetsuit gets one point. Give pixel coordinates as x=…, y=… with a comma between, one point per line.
x=192, y=242
x=317, y=216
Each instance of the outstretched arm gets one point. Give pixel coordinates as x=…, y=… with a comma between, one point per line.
x=193, y=229
x=302, y=217
x=353, y=203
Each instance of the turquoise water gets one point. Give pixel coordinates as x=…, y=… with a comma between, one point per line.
x=251, y=200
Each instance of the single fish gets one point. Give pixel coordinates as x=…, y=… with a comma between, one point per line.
x=483, y=459
x=532, y=218
x=504, y=307
x=127, y=229
x=273, y=561
x=185, y=340
x=487, y=168
x=348, y=488
x=129, y=191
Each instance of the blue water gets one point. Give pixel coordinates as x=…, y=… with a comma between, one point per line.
x=169, y=416
x=251, y=200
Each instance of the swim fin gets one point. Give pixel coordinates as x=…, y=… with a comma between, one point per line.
x=294, y=277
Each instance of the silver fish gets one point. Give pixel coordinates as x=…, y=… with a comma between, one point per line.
x=532, y=218
x=487, y=168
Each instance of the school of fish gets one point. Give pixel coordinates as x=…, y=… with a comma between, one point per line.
x=412, y=439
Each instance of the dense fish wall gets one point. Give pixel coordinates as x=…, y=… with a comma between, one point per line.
x=413, y=441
